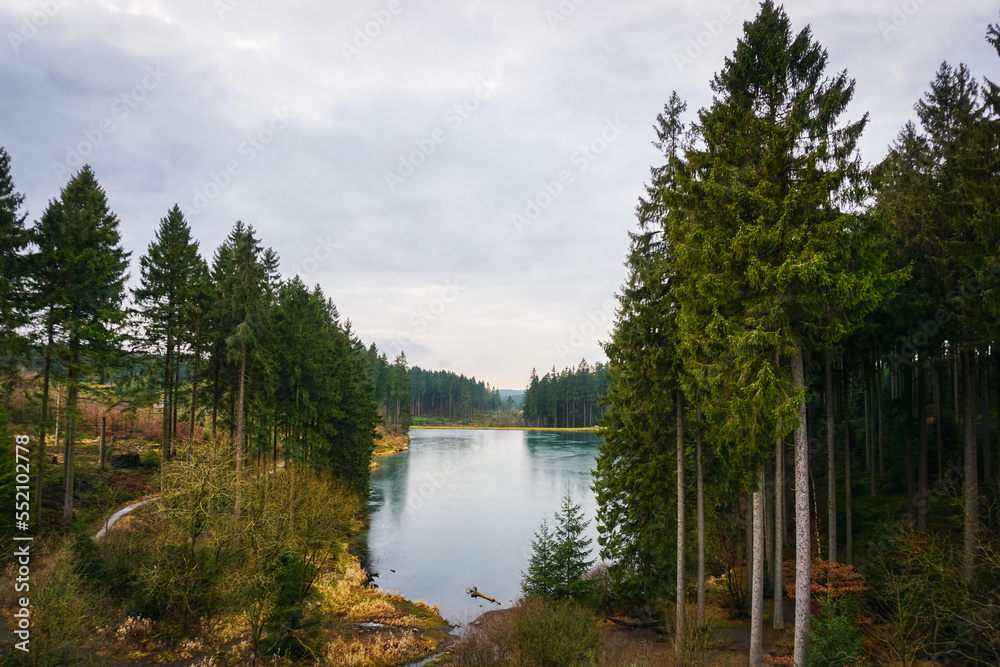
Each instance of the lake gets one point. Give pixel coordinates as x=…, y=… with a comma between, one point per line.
x=461, y=507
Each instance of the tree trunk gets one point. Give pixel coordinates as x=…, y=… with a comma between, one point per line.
x=681, y=585
x=984, y=391
x=802, y=545
x=700, y=619
x=43, y=424
x=168, y=376
x=778, y=617
x=971, y=474
x=936, y=390
x=878, y=396
x=849, y=524
x=922, y=461
x=71, y=401
x=831, y=465
x=194, y=400
x=757, y=596
x=104, y=425
x=239, y=435
x=870, y=428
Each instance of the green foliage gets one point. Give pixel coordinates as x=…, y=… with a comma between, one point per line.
x=834, y=638
x=538, y=633
x=13, y=267
x=553, y=634
x=442, y=393
x=570, y=398
x=542, y=575
x=560, y=560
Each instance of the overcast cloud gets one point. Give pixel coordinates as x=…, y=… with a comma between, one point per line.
x=393, y=151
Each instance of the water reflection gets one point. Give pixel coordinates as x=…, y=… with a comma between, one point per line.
x=460, y=509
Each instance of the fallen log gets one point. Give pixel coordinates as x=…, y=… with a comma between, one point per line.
x=473, y=593
x=638, y=624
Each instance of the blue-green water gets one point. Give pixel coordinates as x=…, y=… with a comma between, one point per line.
x=460, y=509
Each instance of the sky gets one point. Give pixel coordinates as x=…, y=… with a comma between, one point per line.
x=460, y=177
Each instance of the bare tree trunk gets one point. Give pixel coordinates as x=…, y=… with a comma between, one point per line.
x=194, y=401
x=870, y=427
x=43, y=424
x=104, y=424
x=679, y=646
x=849, y=527
x=936, y=390
x=71, y=403
x=878, y=395
x=971, y=474
x=778, y=618
x=802, y=546
x=700, y=618
x=757, y=595
x=922, y=461
x=768, y=517
x=239, y=436
x=984, y=390
x=831, y=465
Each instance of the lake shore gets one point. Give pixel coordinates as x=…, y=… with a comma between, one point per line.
x=547, y=429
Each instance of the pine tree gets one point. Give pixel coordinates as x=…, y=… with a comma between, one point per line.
x=89, y=290
x=543, y=573
x=243, y=284
x=571, y=550
x=165, y=297
x=763, y=249
x=13, y=268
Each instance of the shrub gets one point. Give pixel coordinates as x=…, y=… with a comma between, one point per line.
x=834, y=640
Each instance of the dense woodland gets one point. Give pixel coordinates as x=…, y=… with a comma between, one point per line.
x=804, y=362
x=227, y=344
x=567, y=399
x=447, y=395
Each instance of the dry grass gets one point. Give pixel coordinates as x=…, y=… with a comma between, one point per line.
x=381, y=649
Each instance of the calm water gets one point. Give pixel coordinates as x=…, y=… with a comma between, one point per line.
x=460, y=508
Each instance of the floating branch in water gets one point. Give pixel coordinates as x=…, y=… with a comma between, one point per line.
x=473, y=593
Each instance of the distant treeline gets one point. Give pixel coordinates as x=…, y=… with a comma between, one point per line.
x=260, y=360
x=445, y=394
x=568, y=399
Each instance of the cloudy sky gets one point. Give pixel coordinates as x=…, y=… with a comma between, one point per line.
x=459, y=176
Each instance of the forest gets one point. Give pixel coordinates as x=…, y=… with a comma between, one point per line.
x=570, y=398
x=804, y=365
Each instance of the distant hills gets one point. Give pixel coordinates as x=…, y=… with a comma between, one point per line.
x=517, y=394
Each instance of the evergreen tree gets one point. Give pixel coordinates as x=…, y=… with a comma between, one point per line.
x=166, y=299
x=763, y=250
x=571, y=550
x=13, y=268
x=543, y=573
x=89, y=295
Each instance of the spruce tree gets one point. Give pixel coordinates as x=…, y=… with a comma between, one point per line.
x=90, y=289
x=571, y=550
x=763, y=250
x=165, y=297
x=543, y=574
x=13, y=269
